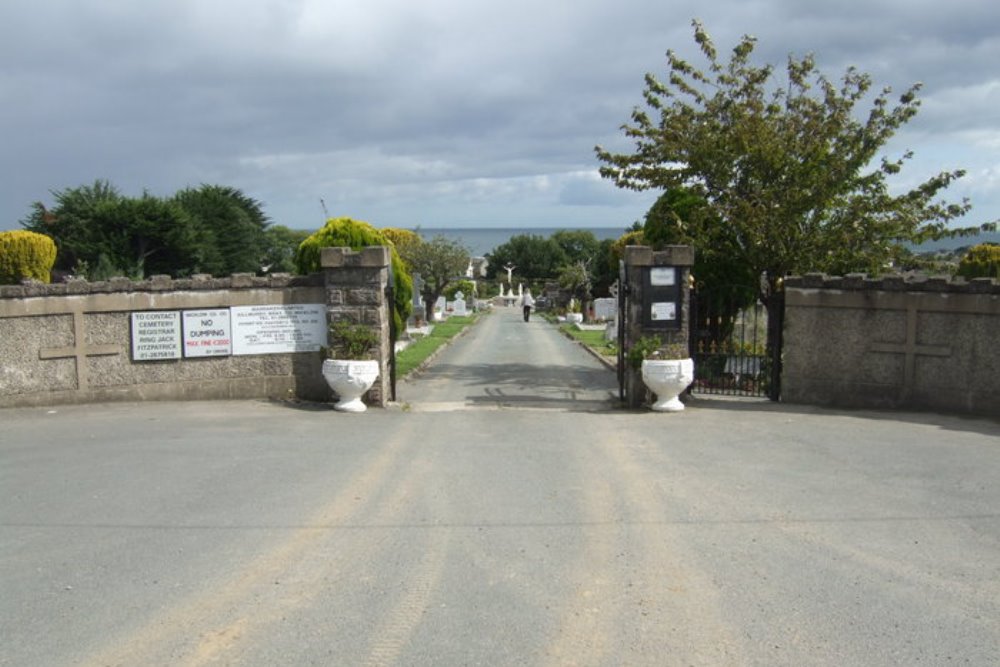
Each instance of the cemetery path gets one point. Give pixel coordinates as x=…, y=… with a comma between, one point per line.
x=268, y=533
x=505, y=363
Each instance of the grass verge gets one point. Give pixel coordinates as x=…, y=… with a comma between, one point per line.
x=592, y=339
x=421, y=349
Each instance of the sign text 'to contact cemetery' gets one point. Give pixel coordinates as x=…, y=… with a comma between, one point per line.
x=240, y=330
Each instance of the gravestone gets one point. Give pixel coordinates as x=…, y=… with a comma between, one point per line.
x=458, y=305
x=605, y=309
x=440, y=306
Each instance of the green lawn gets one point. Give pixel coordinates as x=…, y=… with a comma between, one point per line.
x=592, y=339
x=423, y=347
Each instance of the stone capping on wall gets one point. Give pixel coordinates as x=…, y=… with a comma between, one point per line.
x=911, y=283
x=197, y=282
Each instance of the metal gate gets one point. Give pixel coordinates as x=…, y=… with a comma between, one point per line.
x=735, y=341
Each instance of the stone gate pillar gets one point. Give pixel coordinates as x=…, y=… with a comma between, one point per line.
x=649, y=312
x=356, y=292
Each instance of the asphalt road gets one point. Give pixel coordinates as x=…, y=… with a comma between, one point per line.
x=505, y=514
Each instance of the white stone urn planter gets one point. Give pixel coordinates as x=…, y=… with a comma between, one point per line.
x=667, y=378
x=350, y=379
x=575, y=318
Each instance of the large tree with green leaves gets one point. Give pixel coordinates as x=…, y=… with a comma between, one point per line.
x=790, y=172
x=440, y=262
x=534, y=257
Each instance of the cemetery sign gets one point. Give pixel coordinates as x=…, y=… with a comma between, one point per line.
x=276, y=329
x=156, y=335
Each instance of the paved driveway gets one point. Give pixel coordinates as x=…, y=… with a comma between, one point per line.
x=507, y=516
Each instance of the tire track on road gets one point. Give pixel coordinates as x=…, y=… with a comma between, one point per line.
x=659, y=605
x=181, y=635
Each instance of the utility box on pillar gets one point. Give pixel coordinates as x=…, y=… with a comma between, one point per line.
x=657, y=308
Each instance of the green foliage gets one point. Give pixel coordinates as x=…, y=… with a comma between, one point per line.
x=100, y=232
x=466, y=287
x=26, y=255
x=148, y=236
x=578, y=245
x=647, y=347
x=231, y=228
x=74, y=223
x=535, y=258
x=982, y=261
x=575, y=279
x=403, y=239
x=352, y=341
x=440, y=262
x=356, y=234
x=280, y=246
x=785, y=168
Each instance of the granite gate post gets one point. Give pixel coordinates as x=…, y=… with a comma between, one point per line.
x=356, y=292
x=657, y=305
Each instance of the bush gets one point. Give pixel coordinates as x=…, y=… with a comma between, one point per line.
x=355, y=234
x=26, y=255
x=982, y=261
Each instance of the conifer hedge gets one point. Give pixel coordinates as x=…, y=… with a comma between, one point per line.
x=982, y=261
x=26, y=255
x=356, y=234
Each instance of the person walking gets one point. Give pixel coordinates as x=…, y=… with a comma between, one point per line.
x=527, y=302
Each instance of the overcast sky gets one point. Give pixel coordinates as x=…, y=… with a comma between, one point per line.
x=439, y=113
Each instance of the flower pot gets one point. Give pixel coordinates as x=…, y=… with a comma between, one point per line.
x=350, y=379
x=575, y=318
x=667, y=378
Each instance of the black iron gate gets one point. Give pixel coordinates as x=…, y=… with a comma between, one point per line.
x=622, y=325
x=735, y=341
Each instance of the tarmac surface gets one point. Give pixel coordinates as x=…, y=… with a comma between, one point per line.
x=506, y=512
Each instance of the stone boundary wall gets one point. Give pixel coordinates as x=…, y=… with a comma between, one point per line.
x=71, y=342
x=912, y=343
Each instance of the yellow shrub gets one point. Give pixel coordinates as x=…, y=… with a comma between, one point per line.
x=26, y=255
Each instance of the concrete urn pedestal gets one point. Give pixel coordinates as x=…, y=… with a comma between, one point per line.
x=350, y=379
x=667, y=378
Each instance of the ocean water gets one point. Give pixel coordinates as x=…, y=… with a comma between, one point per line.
x=481, y=240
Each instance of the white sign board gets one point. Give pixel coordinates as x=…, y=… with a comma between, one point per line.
x=207, y=333
x=666, y=310
x=277, y=329
x=156, y=335
x=663, y=277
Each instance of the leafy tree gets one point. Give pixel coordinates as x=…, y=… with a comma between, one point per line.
x=356, y=234
x=231, y=228
x=575, y=279
x=280, y=246
x=604, y=272
x=982, y=261
x=784, y=168
x=440, y=263
x=579, y=245
x=401, y=238
x=535, y=257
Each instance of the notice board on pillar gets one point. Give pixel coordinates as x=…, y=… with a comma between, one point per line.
x=661, y=297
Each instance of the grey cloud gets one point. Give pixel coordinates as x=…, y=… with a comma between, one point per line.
x=448, y=109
